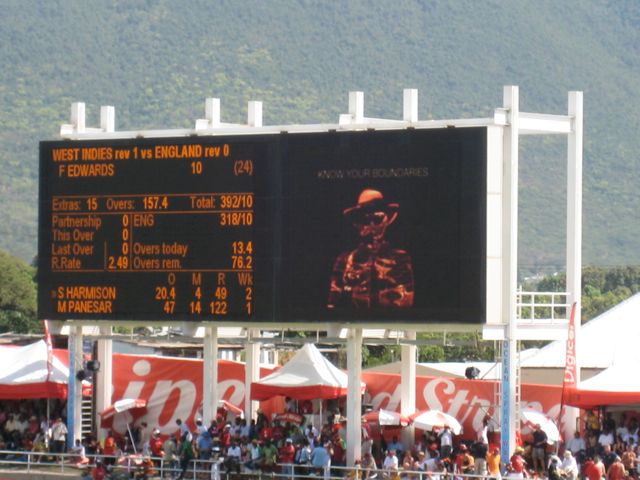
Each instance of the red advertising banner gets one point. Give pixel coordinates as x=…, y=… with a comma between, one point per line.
x=172, y=388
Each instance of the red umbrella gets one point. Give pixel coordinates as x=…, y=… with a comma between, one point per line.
x=230, y=407
x=290, y=417
x=430, y=419
x=386, y=418
x=122, y=405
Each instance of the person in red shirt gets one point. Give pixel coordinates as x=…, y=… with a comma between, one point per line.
x=155, y=445
x=109, y=449
x=225, y=436
x=517, y=462
x=458, y=460
x=286, y=455
x=616, y=470
x=266, y=433
x=277, y=432
x=339, y=456
x=592, y=471
x=98, y=472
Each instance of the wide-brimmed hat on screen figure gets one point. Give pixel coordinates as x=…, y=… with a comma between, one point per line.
x=371, y=201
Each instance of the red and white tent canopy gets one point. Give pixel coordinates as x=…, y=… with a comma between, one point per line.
x=617, y=385
x=24, y=372
x=308, y=375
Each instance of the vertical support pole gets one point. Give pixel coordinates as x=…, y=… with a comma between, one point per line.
x=574, y=224
x=212, y=111
x=408, y=385
x=510, y=272
x=78, y=117
x=108, y=119
x=210, y=375
x=354, y=395
x=252, y=373
x=574, y=204
x=74, y=387
x=356, y=106
x=254, y=116
x=103, y=381
x=410, y=105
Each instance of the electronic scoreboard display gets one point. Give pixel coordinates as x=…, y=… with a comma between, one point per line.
x=155, y=229
x=369, y=226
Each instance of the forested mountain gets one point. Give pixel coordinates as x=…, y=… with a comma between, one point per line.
x=157, y=60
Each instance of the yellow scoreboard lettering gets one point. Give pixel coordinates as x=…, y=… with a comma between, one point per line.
x=164, y=221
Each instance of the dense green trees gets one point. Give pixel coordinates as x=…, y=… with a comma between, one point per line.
x=157, y=60
x=602, y=288
x=17, y=296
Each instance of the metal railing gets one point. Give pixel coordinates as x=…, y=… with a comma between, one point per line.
x=542, y=308
x=132, y=466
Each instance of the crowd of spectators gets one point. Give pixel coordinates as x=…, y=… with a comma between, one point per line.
x=603, y=449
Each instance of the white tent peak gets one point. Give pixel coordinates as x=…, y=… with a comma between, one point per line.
x=306, y=368
x=307, y=375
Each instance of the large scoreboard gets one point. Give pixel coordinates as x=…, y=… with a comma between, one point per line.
x=371, y=226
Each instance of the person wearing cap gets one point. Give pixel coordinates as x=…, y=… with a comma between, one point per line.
x=517, y=463
x=286, y=456
x=225, y=436
x=155, y=445
x=374, y=274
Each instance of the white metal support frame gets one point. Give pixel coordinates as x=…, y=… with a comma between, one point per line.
x=354, y=395
x=104, y=383
x=74, y=386
x=210, y=375
x=510, y=271
x=408, y=385
x=503, y=322
x=252, y=373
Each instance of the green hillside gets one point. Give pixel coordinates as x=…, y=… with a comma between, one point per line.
x=156, y=61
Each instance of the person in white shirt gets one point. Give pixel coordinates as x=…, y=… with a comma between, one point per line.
x=59, y=436
x=576, y=444
x=245, y=429
x=390, y=464
x=606, y=438
x=623, y=430
x=569, y=466
x=446, y=442
x=482, y=435
x=234, y=454
x=79, y=450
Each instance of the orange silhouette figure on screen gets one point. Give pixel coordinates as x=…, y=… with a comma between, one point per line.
x=374, y=274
